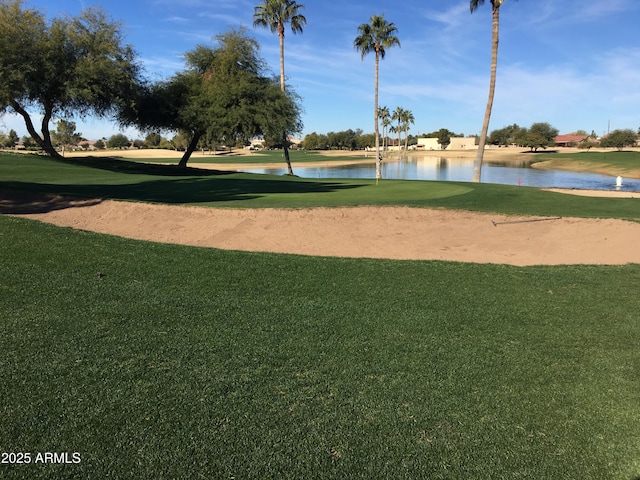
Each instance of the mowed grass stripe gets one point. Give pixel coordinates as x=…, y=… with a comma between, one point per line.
x=182, y=362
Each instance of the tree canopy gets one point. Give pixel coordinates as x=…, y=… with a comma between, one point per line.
x=505, y=136
x=65, y=135
x=118, y=140
x=539, y=135
x=222, y=96
x=443, y=135
x=619, y=139
x=9, y=140
x=62, y=68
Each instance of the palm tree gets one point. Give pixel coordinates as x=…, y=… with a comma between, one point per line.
x=495, y=5
x=394, y=129
x=376, y=36
x=275, y=14
x=397, y=116
x=383, y=115
x=407, y=119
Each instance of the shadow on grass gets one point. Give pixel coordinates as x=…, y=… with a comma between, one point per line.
x=153, y=183
x=213, y=189
x=16, y=203
x=119, y=165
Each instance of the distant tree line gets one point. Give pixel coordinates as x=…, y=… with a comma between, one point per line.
x=397, y=122
x=543, y=135
x=347, y=140
x=539, y=135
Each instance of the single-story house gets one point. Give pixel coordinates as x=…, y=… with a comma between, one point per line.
x=568, y=140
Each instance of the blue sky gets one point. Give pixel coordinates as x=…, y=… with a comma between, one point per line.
x=571, y=63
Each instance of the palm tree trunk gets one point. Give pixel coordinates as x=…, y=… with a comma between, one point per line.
x=285, y=145
x=477, y=166
x=384, y=139
x=375, y=119
x=399, y=133
x=281, y=35
x=406, y=139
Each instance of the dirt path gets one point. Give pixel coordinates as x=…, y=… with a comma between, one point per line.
x=375, y=232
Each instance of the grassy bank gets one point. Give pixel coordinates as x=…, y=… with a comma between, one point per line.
x=626, y=163
x=126, y=180
x=182, y=362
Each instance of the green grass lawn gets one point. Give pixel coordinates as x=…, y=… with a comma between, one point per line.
x=184, y=362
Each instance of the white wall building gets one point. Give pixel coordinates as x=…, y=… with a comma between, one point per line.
x=457, y=143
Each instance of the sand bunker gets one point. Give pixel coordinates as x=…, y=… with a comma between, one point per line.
x=374, y=232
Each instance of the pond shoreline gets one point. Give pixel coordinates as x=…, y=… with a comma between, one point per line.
x=492, y=155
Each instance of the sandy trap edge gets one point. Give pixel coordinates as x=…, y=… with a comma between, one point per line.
x=358, y=232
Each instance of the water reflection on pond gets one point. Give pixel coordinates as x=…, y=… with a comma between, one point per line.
x=461, y=170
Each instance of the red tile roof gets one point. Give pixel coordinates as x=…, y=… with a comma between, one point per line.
x=570, y=138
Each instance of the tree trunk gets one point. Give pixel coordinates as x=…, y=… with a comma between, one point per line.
x=384, y=138
x=399, y=133
x=477, y=166
x=193, y=144
x=46, y=134
x=375, y=118
x=285, y=147
x=285, y=144
x=44, y=141
x=406, y=140
x=281, y=35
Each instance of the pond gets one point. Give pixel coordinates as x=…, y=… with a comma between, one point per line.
x=461, y=170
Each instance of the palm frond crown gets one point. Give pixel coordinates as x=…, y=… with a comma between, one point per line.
x=275, y=14
x=474, y=4
x=376, y=36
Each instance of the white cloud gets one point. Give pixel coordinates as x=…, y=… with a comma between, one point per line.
x=591, y=11
x=453, y=17
x=175, y=19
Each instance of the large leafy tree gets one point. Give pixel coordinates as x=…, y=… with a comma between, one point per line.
x=539, y=135
x=275, y=15
x=495, y=9
x=62, y=68
x=504, y=136
x=10, y=140
x=118, y=140
x=620, y=139
x=222, y=96
x=376, y=36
